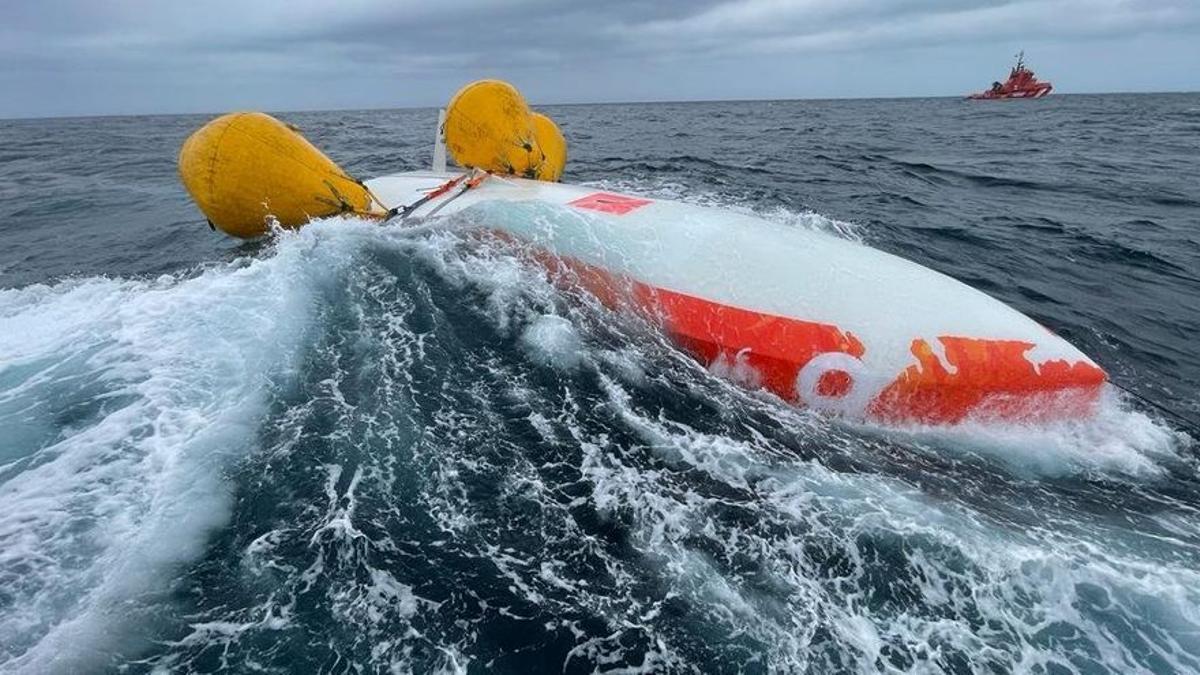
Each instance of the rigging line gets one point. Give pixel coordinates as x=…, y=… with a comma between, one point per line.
x=472, y=179
x=371, y=194
x=477, y=177
x=405, y=210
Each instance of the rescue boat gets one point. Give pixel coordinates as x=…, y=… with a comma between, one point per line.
x=1021, y=83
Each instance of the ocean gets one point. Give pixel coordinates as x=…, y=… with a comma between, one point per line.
x=348, y=449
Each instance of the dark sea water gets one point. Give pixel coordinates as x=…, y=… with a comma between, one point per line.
x=352, y=450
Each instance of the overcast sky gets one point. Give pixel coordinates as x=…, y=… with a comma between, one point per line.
x=78, y=57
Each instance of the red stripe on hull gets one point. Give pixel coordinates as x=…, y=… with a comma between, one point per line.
x=819, y=364
x=775, y=347
x=990, y=378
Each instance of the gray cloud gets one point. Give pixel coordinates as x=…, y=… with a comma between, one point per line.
x=81, y=57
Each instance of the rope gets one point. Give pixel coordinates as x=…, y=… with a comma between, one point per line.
x=370, y=194
x=472, y=179
x=478, y=177
x=404, y=210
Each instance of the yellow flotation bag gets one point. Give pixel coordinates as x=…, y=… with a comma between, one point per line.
x=489, y=127
x=553, y=145
x=244, y=169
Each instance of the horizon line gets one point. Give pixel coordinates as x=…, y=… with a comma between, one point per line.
x=589, y=103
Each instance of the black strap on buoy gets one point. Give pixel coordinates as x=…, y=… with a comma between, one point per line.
x=339, y=200
x=1186, y=422
x=370, y=194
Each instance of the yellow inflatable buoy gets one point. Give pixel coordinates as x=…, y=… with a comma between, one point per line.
x=245, y=169
x=553, y=145
x=488, y=126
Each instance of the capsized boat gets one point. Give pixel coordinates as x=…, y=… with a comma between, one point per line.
x=1021, y=83
x=819, y=320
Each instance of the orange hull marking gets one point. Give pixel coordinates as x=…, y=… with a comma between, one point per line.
x=606, y=202
x=992, y=377
x=834, y=384
x=776, y=347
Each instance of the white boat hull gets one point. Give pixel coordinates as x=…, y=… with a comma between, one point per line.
x=818, y=320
